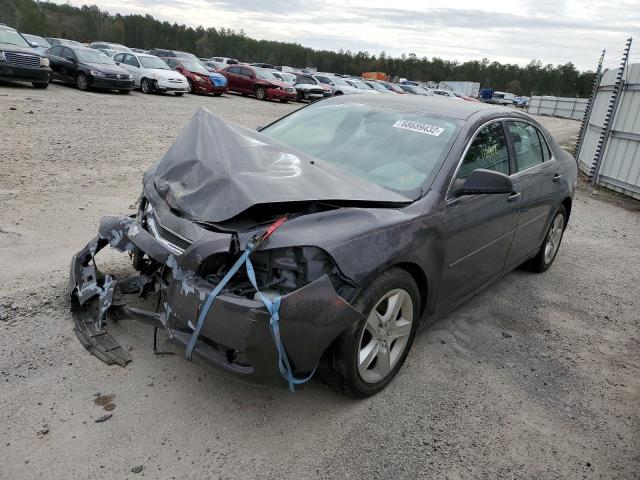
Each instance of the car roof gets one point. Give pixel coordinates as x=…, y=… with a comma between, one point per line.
x=445, y=107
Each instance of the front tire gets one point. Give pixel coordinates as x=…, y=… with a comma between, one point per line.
x=261, y=93
x=82, y=82
x=40, y=85
x=551, y=245
x=146, y=86
x=124, y=92
x=366, y=357
x=179, y=94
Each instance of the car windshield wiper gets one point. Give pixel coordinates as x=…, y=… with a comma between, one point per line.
x=16, y=44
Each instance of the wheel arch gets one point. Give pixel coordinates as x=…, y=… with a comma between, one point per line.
x=420, y=277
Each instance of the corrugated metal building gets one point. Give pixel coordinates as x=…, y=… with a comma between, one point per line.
x=619, y=165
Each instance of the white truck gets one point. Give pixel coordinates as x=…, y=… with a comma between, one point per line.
x=471, y=89
x=502, y=98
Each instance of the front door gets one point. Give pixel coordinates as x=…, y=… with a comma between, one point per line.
x=478, y=228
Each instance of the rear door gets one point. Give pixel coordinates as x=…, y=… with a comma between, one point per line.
x=478, y=229
x=537, y=175
x=247, y=77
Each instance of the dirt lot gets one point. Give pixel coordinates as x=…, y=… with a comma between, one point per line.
x=538, y=377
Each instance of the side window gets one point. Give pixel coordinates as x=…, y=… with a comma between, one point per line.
x=488, y=150
x=324, y=80
x=171, y=62
x=56, y=51
x=118, y=57
x=67, y=53
x=246, y=72
x=233, y=70
x=546, y=151
x=526, y=143
x=131, y=60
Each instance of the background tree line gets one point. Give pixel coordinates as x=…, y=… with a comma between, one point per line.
x=89, y=23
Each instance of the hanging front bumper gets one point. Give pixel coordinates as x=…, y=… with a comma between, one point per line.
x=236, y=333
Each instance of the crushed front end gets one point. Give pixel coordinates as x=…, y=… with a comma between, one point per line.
x=180, y=262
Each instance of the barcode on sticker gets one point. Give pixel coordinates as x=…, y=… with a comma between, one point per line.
x=419, y=127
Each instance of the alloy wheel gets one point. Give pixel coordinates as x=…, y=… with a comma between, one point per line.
x=261, y=94
x=385, y=335
x=81, y=81
x=553, y=238
x=144, y=86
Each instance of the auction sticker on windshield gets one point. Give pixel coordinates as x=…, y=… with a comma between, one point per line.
x=419, y=127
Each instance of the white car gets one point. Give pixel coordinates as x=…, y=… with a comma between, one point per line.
x=337, y=84
x=226, y=61
x=444, y=93
x=306, y=87
x=151, y=73
x=360, y=85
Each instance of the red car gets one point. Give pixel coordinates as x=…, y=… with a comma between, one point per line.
x=259, y=82
x=200, y=79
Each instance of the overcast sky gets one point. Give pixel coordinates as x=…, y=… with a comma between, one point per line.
x=554, y=31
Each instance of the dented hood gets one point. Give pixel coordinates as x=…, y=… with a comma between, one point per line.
x=216, y=170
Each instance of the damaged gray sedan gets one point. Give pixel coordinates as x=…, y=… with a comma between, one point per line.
x=321, y=242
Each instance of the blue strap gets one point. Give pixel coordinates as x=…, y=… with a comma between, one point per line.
x=211, y=297
x=274, y=323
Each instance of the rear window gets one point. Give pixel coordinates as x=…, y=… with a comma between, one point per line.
x=397, y=149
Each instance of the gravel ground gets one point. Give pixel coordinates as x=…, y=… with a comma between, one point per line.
x=537, y=377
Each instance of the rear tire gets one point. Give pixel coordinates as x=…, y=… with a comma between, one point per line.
x=40, y=85
x=191, y=87
x=124, y=92
x=284, y=101
x=551, y=245
x=217, y=94
x=366, y=357
x=82, y=82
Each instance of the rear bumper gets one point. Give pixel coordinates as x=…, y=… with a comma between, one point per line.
x=22, y=74
x=235, y=335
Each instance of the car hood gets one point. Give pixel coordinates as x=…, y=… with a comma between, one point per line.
x=308, y=86
x=105, y=68
x=215, y=171
x=166, y=74
x=7, y=47
x=278, y=83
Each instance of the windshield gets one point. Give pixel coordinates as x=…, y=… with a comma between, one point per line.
x=195, y=67
x=153, y=62
x=340, y=81
x=288, y=77
x=397, y=149
x=378, y=87
x=264, y=74
x=118, y=47
x=39, y=40
x=13, y=38
x=362, y=85
x=190, y=56
x=93, y=56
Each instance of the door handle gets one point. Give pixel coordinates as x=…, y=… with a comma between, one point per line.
x=557, y=177
x=514, y=196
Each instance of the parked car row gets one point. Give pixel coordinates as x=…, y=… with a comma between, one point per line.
x=113, y=66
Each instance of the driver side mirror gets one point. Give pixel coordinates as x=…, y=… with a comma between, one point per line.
x=71, y=59
x=482, y=181
x=34, y=44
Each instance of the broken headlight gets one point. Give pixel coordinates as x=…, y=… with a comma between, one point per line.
x=279, y=271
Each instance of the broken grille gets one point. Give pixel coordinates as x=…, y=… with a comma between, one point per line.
x=168, y=237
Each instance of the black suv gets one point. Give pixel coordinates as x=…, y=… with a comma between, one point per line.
x=20, y=61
